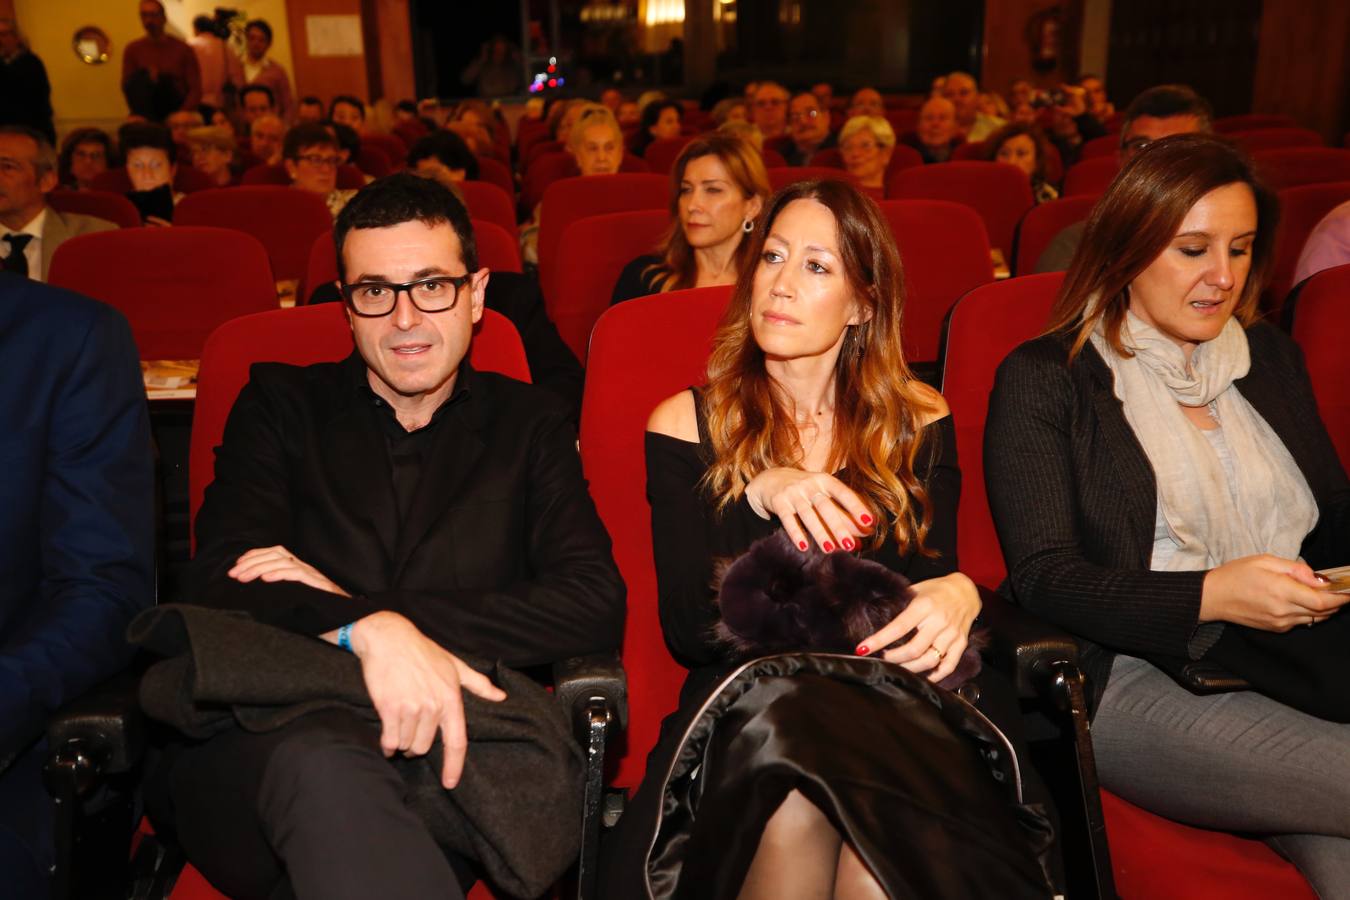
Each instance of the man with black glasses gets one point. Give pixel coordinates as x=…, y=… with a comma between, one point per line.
x=414, y=512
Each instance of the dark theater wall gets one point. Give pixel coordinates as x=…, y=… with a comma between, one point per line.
x=1303, y=64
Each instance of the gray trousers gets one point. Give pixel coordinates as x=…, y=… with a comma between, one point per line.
x=1232, y=762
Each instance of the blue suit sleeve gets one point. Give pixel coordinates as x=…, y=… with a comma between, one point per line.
x=96, y=533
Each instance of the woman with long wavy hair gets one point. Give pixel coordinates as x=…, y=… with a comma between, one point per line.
x=810, y=421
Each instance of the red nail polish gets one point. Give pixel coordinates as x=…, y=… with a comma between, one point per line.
x=848, y=543
x=827, y=547
x=801, y=545
x=862, y=650
x=865, y=519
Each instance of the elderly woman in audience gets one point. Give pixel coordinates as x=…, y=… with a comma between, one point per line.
x=85, y=154
x=473, y=121
x=811, y=421
x=660, y=121
x=212, y=154
x=596, y=143
x=149, y=153
x=867, y=143
x=1025, y=147
x=1164, y=488
x=730, y=109
x=746, y=131
x=312, y=157
x=719, y=187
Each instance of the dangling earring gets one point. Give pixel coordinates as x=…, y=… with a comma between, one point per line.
x=748, y=226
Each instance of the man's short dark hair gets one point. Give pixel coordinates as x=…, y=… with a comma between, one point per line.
x=404, y=197
x=346, y=137
x=134, y=135
x=407, y=106
x=1166, y=101
x=261, y=25
x=350, y=101
x=311, y=100
x=45, y=160
x=449, y=148
x=204, y=24
x=304, y=136
x=258, y=89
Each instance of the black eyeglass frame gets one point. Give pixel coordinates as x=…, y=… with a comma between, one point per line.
x=459, y=281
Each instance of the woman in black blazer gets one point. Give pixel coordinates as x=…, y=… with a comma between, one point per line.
x=1163, y=488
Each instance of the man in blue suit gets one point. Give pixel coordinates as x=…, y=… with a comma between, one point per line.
x=76, y=535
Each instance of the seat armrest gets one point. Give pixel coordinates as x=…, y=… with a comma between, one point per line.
x=581, y=681
x=106, y=722
x=1201, y=677
x=1023, y=646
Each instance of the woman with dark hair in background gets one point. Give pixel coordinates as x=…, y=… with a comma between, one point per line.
x=811, y=421
x=85, y=154
x=660, y=121
x=718, y=188
x=1025, y=147
x=1163, y=488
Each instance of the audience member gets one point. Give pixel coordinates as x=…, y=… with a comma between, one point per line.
x=259, y=68
x=628, y=116
x=824, y=93
x=769, y=109
x=937, y=86
x=148, y=153
x=1021, y=92
x=964, y=93
x=490, y=555
x=1025, y=147
x=496, y=71
x=611, y=99
x=1327, y=246
x=310, y=109
x=222, y=73
x=1097, y=104
x=256, y=100
x=79, y=536
x=444, y=157
x=405, y=111
x=1155, y=114
x=265, y=138
x=348, y=110
x=730, y=109
x=992, y=105
x=809, y=129
x=179, y=123
x=744, y=131
x=311, y=157
x=85, y=154
x=25, y=92
x=867, y=144
x=595, y=141
x=213, y=153
x=159, y=72
x=348, y=141
x=718, y=187
x=660, y=121
x=1071, y=123
x=473, y=121
x=1163, y=488
x=32, y=230
x=938, y=134
x=866, y=102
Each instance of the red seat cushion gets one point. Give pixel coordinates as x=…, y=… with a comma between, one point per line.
x=1000, y=193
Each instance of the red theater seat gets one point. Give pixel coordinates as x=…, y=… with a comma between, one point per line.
x=1040, y=225
x=104, y=205
x=554, y=166
x=373, y=161
x=1253, y=121
x=496, y=172
x=1091, y=176
x=1275, y=138
x=1301, y=208
x=660, y=155
x=1292, y=166
x=1000, y=193
x=1106, y=145
x=284, y=219
x=781, y=177
x=490, y=203
x=175, y=285
x=591, y=254
x=394, y=148
x=1321, y=322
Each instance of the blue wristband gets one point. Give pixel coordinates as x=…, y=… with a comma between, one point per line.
x=345, y=637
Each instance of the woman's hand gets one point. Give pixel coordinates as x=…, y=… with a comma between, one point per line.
x=940, y=615
x=811, y=503
x=1268, y=593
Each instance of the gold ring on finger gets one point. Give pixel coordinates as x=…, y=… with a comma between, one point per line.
x=941, y=654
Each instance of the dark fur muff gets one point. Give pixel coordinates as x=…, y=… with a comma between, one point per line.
x=776, y=599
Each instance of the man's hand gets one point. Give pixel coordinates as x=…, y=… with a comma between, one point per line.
x=414, y=684
x=279, y=564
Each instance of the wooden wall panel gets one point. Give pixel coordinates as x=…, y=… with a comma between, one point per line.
x=1303, y=64
x=1007, y=53
x=325, y=76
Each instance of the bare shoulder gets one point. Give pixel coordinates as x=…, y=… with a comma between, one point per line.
x=676, y=417
x=934, y=405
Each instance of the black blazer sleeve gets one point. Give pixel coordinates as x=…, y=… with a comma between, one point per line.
x=553, y=366
x=1039, y=431
x=636, y=280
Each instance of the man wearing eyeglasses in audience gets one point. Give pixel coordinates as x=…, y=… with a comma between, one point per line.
x=412, y=511
x=809, y=128
x=1156, y=113
x=768, y=109
x=311, y=157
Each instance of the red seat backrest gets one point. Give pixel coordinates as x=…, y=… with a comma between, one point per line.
x=902, y=119
x=902, y=157
x=1253, y=121
x=772, y=158
x=971, y=150
x=350, y=178
x=1292, y=166
x=284, y=219
x=411, y=131
x=301, y=336
x=537, y=151
x=571, y=199
x=1321, y=321
x=174, y=285
x=1275, y=138
x=642, y=352
x=1000, y=193
x=592, y=253
x=829, y=158
x=660, y=154
x=1106, y=145
x=945, y=253
x=373, y=161
x=1301, y=208
x=394, y=148
x=265, y=173
x=490, y=203
x=781, y=176
x=1091, y=176
x=986, y=325
x=496, y=172
x=1040, y=225
x=553, y=167
x=104, y=205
